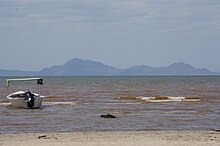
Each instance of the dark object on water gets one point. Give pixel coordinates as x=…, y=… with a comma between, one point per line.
x=107, y=116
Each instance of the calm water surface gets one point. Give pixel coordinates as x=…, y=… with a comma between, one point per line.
x=139, y=103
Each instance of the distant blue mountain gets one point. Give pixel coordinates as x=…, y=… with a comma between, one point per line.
x=79, y=67
x=17, y=73
x=173, y=69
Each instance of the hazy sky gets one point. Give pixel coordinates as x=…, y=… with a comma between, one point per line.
x=40, y=33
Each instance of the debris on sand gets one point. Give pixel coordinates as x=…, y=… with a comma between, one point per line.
x=42, y=136
x=218, y=130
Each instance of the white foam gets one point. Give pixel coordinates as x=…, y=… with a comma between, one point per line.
x=127, y=103
x=59, y=103
x=167, y=99
x=44, y=103
x=161, y=99
x=5, y=104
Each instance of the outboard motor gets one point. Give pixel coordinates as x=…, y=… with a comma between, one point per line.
x=30, y=99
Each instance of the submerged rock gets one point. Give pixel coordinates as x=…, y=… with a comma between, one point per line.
x=107, y=116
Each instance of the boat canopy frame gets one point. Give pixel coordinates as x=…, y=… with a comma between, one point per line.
x=39, y=80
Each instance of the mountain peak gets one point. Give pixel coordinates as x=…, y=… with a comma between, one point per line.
x=80, y=67
x=181, y=64
x=75, y=60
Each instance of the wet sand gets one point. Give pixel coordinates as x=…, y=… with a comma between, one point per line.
x=146, y=138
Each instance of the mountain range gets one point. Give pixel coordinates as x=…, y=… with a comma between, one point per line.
x=79, y=67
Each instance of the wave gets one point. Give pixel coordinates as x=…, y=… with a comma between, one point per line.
x=123, y=103
x=59, y=103
x=46, y=103
x=5, y=103
x=161, y=98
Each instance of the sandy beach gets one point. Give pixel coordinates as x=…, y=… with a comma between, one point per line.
x=145, y=138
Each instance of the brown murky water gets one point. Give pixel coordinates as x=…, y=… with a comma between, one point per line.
x=139, y=103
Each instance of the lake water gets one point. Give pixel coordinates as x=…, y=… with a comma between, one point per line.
x=139, y=103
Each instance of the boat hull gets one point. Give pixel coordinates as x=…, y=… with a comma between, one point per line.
x=21, y=102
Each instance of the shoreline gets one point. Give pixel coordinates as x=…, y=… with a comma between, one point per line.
x=130, y=138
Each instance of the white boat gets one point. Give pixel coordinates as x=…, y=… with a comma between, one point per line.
x=26, y=99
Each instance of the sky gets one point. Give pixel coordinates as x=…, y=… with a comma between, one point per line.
x=35, y=34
